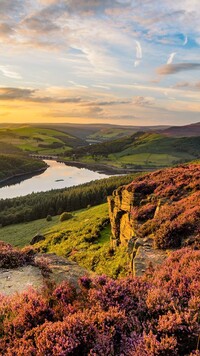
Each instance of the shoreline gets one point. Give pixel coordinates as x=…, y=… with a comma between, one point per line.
x=106, y=169
x=97, y=167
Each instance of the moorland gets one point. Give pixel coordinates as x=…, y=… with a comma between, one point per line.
x=136, y=235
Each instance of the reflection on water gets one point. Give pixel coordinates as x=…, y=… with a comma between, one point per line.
x=56, y=176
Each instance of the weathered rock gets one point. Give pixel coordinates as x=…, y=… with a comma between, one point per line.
x=21, y=278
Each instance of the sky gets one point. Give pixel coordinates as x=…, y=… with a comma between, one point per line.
x=133, y=62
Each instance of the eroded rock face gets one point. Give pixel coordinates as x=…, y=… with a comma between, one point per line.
x=156, y=212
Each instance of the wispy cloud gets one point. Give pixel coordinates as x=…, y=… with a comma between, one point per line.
x=188, y=85
x=31, y=96
x=176, y=68
x=171, y=57
x=138, y=54
x=185, y=41
x=8, y=71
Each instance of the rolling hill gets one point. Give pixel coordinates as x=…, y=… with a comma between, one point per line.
x=183, y=131
x=39, y=140
x=141, y=150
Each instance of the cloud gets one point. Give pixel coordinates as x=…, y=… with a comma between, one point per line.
x=15, y=93
x=29, y=95
x=142, y=101
x=108, y=103
x=138, y=54
x=185, y=41
x=176, y=68
x=41, y=25
x=5, y=29
x=171, y=57
x=101, y=86
x=7, y=71
x=187, y=85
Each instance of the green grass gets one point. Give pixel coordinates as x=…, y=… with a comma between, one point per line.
x=30, y=139
x=111, y=133
x=85, y=238
x=20, y=235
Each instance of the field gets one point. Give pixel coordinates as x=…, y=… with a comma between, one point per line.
x=20, y=235
x=39, y=140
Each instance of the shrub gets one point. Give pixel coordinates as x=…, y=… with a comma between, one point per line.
x=153, y=315
x=49, y=218
x=65, y=216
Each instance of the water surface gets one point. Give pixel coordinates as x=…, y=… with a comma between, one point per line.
x=57, y=176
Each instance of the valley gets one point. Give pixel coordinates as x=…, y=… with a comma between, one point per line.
x=106, y=249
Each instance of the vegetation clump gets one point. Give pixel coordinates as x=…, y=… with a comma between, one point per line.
x=65, y=216
x=153, y=315
x=167, y=205
x=13, y=258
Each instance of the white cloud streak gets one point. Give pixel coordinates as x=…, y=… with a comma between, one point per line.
x=185, y=41
x=9, y=73
x=138, y=54
x=171, y=57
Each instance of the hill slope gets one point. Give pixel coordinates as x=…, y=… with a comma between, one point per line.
x=39, y=140
x=17, y=164
x=142, y=150
x=183, y=131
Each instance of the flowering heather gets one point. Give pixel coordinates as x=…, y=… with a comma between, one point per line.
x=156, y=314
x=12, y=258
x=167, y=206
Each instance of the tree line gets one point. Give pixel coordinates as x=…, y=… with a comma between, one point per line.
x=39, y=205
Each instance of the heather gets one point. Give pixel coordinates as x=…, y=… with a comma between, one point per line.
x=156, y=314
x=166, y=206
x=13, y=258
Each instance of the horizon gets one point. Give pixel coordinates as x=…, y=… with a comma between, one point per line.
x=93, y=124
x=122, y=62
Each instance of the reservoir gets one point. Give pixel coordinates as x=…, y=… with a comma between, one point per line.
x=58, y=175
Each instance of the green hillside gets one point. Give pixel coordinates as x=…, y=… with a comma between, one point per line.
x=17, y=164
x=85, y=238
x=142, y=150
x=39, y=140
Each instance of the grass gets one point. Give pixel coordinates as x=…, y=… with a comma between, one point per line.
x=20, y=235
x=32, y=139
x=85, y=238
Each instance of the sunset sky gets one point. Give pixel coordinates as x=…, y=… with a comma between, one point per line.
x=134, y=62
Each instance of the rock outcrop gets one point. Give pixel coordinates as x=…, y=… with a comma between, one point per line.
x=45, y=268
x=156, y=212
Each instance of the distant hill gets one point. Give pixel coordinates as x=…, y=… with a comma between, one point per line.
x=142, y=150
x=183, y=131
x=38, y=140
x=101, y=132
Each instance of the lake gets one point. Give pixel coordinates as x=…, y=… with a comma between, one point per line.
x=58, y=175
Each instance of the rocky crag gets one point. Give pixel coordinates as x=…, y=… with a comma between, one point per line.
x=155, y=214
